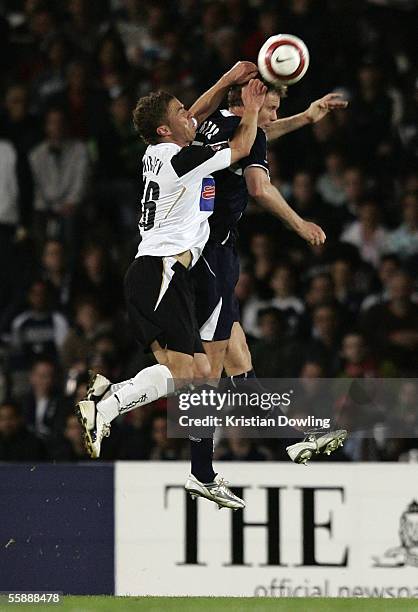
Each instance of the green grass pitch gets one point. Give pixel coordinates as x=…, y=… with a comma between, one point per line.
x=219, y=604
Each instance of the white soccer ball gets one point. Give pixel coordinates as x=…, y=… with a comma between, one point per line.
x=283, y=59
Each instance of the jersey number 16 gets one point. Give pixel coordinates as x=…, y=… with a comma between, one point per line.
x=148, y=206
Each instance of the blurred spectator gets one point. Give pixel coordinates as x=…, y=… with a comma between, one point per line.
x=80, y=29
x=358, y=361
x=38, y=330
x=274, y=354
x=9, y=196
x=70, y=445
x=112, y=65
x=388, y=266
x=16, y=122
x=205, y=64
x=51, y=80
x=367, y=234
x=312, y=260
x=162, y=448
x=227, y=47
x=371, y=112
x=392, y=327
x=325, y=336
x=89, y=324
x=312, y=369
x=306, y=201
x=262, y=252
x=119, y=152
x=404, y=240
x=119, y=148
x=284, y=299
x=236, y=448
x=130, y=24
x=43, y=407
x=96, y=280
x=315, y=395
x=342, y=274
x=83, y=102
x=16, y=442
x=55, y=274
x=325, y=136
x=330, y=184
x=355, y=189
x=40, y=28
x=276, y=177
x=60, y=172
x=267, y=25
x=321, y=291
x=136, y=435
x=248, y=300
x=283, y=282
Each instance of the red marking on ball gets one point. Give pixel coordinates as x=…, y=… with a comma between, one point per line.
x=269, y=53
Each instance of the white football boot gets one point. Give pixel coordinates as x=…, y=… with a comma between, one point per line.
x=92, y=422
x=94, y=426
x=215, y=491
x=302, y=452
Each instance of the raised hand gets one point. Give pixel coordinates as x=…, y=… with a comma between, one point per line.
x=240, y=73
x=312, y=233
x=318, y=109
x=254, y=94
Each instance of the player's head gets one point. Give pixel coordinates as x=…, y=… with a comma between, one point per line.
x=161, y=117
x=268, y=112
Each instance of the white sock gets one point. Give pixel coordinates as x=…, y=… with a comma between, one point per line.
x=146, y=387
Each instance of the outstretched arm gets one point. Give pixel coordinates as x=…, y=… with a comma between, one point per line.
x=209, y=101
x=198, y=162
x=316, y=111
x=253, y=96
x=270, y=198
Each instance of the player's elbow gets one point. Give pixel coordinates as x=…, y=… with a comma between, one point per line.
x=256, y=189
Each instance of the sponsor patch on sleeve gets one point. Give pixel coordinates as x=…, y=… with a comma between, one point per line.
x=207, y=195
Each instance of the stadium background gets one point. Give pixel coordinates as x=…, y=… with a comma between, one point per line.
x=69, y=185
x=70, y=74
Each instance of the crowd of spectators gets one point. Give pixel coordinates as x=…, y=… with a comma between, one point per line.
x=71, y=71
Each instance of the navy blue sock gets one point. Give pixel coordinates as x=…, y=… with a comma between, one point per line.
x=251, y=376
x=201, y=453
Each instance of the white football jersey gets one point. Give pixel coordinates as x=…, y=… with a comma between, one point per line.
x=178, y=198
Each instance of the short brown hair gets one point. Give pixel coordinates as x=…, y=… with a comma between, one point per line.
x=149, y=113
x=234, y=93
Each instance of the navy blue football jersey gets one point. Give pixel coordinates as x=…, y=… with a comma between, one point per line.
x=231, y=191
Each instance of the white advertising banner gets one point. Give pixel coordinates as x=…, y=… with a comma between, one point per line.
x=331, y=529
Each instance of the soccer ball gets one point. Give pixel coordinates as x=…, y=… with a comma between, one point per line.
x=283, y=59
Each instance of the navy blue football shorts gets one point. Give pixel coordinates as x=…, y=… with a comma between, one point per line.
x=215, y=276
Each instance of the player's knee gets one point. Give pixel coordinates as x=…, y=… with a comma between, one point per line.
x=215, y=371
x=201, y=368
x=182, y=371
x=239, y=360
x=216, y=355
